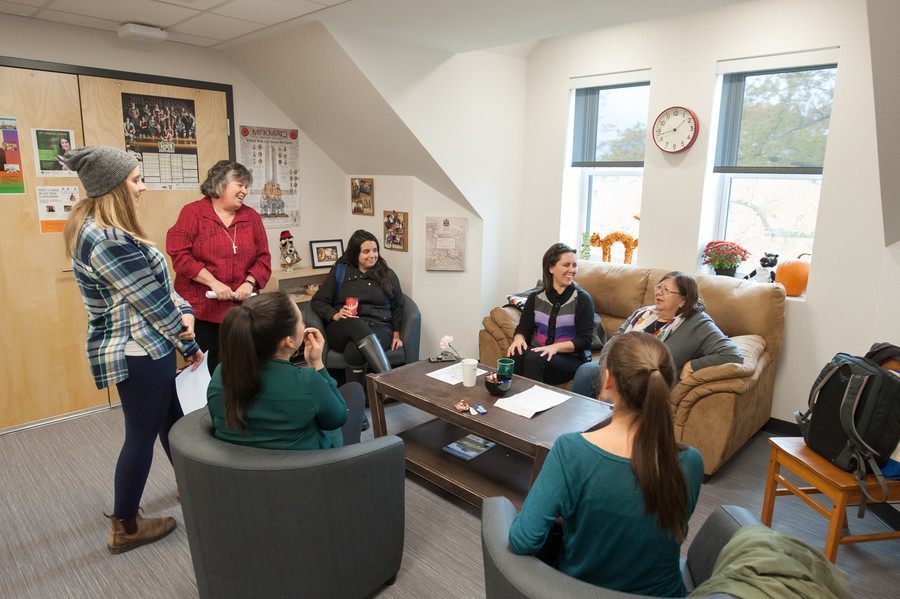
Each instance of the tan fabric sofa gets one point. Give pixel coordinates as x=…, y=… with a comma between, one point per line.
x=716, y=409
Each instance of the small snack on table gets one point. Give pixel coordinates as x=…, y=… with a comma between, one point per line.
x=462, y=406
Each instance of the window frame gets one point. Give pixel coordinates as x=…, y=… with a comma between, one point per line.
x=734, y=74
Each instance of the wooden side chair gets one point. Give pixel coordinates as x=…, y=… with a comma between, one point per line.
x=841, y=487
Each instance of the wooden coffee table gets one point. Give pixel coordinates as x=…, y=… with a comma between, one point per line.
x=523, y=443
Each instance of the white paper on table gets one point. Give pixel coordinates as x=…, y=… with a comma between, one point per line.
x=191, y=386
x=453, y=374
x=531, y=401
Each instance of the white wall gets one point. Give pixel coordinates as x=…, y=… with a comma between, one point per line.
x=468, y=111
x=854, y=281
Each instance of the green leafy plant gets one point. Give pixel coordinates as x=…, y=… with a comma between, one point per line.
x=724, y=254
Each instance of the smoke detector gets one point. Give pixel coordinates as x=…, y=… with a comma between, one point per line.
x=141, y=33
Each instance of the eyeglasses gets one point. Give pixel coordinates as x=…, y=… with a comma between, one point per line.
x=665, y=291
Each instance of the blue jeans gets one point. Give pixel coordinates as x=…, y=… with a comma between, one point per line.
x=585, y=380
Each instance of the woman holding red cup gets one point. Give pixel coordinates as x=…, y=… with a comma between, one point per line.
x=363, y=310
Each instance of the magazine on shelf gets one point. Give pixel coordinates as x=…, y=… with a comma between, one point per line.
x=468, y=447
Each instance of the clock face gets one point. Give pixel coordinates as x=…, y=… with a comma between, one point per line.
x=676, y=129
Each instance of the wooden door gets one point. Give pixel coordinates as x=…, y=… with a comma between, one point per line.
x=45, y=372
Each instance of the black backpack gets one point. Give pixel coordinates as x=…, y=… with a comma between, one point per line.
x=853, y=418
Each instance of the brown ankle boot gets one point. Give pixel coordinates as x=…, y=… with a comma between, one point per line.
x=148, y=530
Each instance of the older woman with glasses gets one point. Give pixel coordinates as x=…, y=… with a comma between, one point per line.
x=679, y=320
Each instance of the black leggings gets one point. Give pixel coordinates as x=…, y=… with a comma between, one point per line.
x=344, y=334
x=207, y=337
x=150, y=407
x=559, y=369
x=355, y=398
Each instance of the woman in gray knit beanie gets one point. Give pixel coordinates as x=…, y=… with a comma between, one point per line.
x=135, y=323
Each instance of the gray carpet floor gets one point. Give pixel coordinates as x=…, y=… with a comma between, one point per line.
x=57, y=481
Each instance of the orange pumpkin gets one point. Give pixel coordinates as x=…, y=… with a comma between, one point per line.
x=794, y=275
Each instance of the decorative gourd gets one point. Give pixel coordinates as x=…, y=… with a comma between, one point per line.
x=794, y=275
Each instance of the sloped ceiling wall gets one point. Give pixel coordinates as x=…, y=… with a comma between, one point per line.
x=307, y=74
x=884, y=22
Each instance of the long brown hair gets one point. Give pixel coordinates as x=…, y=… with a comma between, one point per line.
x=249, y=337
x=550, y=259
x=380, y=270
x=644, y=371
x=115, y=209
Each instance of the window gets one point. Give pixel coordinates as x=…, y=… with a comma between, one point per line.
x=608, y=141
x=770, y=153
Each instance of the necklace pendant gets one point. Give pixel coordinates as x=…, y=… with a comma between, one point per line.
x=233, y=248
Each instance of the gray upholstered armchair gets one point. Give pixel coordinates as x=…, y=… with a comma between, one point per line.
x=510, y=576
x=277, y=523
x=410, y=332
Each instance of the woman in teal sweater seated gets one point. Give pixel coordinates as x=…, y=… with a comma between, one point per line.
x=623, y=494
x=258, y=398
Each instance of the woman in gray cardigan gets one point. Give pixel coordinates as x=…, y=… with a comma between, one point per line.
x=677, y=319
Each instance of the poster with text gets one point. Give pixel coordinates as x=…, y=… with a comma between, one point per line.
x=162, y=135
x=49, y=144
x=445, y=243
x=11, y=178
x=273, y=156
x=54, y=205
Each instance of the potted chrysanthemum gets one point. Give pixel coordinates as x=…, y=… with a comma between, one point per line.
x=724, y=256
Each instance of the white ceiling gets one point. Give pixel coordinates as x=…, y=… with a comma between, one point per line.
x=449, y=25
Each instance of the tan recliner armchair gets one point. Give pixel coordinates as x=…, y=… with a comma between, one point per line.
x=717, y=409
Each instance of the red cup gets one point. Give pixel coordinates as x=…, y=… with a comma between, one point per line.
x=353, y=304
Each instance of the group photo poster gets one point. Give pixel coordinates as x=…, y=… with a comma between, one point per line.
x=162, y=135
x=445, y=241
x=11, y=176
x=54, y=205
x=49, y=145
x=273, y=156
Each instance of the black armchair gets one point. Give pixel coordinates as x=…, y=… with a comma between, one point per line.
x=510, y=576
x=325, y=523
x=410, y=332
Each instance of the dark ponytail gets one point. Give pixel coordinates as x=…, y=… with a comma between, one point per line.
x=249, y=337
x=644, y=372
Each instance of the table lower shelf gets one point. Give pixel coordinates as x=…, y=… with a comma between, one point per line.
x=497, y=471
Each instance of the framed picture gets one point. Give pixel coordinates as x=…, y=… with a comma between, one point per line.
x=395, y=230
x=445, y=243
x=362, y=196
x=325, y=253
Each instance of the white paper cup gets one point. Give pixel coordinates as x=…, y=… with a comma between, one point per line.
x=469, y=366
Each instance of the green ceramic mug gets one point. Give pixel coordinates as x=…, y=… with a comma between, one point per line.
x=506, y=366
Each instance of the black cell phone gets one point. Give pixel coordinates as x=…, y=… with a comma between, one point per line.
x=442, y=359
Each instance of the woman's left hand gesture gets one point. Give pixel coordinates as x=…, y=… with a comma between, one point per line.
x=314, y=343
x=396, y=342
x=196, y=360
x=546, y=351
x=243, y=291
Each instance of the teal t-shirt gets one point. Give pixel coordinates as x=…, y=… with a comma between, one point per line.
x=297, y=408
x=607, y=539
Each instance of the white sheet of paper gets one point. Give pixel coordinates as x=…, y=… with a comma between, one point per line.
x=191, y=386
x=453, y=374
x=531, y=401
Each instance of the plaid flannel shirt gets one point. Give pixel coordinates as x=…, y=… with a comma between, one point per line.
x=128, y=295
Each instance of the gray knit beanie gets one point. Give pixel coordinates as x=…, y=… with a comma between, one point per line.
x=100, y=168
